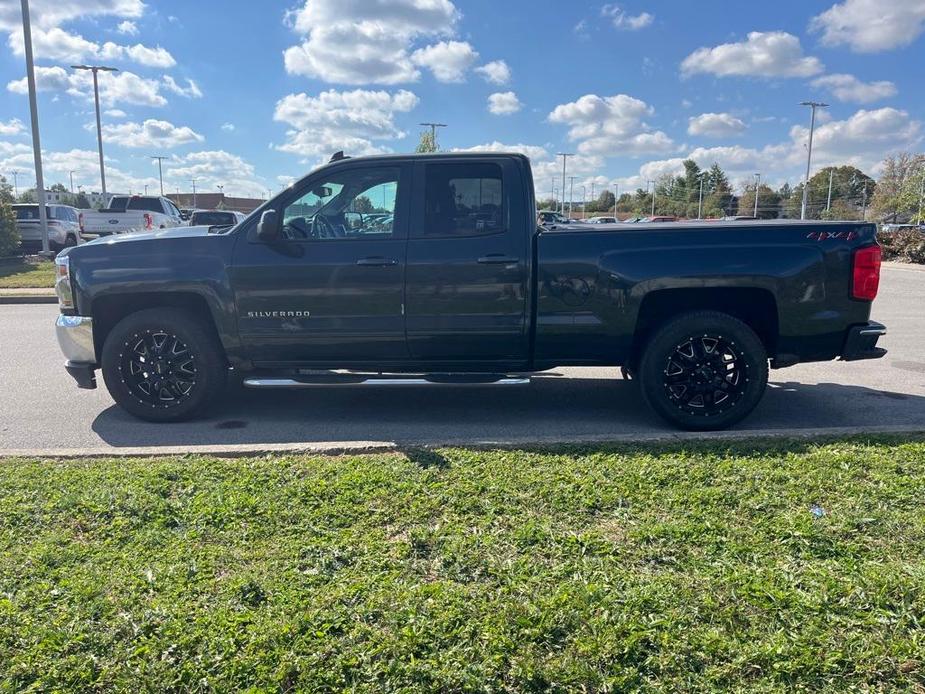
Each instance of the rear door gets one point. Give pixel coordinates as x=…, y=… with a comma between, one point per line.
x=466, y=280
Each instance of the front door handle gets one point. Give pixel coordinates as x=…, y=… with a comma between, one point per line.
x=497, y=259
x=377, y=261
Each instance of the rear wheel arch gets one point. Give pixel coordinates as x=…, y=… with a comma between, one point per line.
x=756, y=307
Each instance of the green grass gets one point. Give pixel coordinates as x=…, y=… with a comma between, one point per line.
x=20, y=274
x=675, y=568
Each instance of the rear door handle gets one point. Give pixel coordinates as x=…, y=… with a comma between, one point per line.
x=498, y=260
x=377, y=261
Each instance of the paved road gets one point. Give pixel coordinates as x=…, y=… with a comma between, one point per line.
x=41, y=407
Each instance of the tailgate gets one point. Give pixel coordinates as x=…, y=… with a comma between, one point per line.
x=112, y=222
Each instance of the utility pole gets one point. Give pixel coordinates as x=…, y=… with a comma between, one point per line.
x=433, y=131
x=584, y=201
x=616, y=190
x=809, y=151
x=864, y=203
x=565, y=156
x=15, y=183
x=700, y=201
x=193, y=181
x=757, y=187
x=592, y=191
x=34, y=113
x=649, y=183
x=828, y=202
x=99, y=128
x=71, y=174
x=146, y=188
x=160, y=171
x=571, y=194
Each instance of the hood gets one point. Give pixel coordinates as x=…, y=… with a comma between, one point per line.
x=160, y=234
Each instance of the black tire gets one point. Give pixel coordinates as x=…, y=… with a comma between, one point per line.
x=187, y=365
x=70, y=241
x=703, y=371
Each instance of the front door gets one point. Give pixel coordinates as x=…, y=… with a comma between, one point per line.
x=468, y=258
x=331, y=288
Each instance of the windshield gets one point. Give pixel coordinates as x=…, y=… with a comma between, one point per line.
x=212, y=218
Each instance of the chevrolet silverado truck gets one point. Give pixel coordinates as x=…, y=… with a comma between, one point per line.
x=127, y=213
x=430, y=270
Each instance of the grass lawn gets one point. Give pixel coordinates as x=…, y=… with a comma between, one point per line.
x=19, y=274
x=771, y=567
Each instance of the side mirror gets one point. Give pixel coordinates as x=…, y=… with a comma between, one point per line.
x=268, y=226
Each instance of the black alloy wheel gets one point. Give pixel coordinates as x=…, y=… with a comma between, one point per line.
x=706, y=375
x=158, y=368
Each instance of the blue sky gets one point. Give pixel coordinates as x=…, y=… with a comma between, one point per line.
x=250, y=95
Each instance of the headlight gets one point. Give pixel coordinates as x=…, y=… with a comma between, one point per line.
x=63, y=282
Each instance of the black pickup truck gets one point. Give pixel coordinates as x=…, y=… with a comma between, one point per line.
x=431, y=269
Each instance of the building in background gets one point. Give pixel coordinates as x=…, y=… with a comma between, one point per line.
x=215, y=201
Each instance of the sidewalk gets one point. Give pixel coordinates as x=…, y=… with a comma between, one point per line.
x=28, y=296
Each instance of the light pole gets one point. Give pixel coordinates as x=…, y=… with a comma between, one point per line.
x=648, y=183
x=700, y=200
x=221, y=192
x=828, y=200
x=34, y=113
x=571, y=195
x=146, y=188
x=616, y=190
x=15, y=183
x=99, y=128
x=193, y=181
x=433, y=131
x=757, y=185
x=71, y=174
x=565, y=156
x=809, y=153
x=160, y=172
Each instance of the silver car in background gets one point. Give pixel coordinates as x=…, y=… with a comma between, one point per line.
x=63, y=226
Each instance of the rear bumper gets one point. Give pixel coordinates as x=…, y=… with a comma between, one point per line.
x=861, y=342
x=75, y=336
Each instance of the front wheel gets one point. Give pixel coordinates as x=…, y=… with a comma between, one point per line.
x=163, y=365
x=703, y=371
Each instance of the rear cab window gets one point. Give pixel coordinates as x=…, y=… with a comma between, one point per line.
x=465, y=199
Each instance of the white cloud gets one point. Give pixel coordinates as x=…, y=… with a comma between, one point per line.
x=349, y=121
x=228, y=127
x=49, y=13
x=715, y=125
x=622, y=20
x=114, y=113
x=362, y=42
x=128, y=28
x=150, y=133
x=447, y=60
x=191, y=91
x=214, y=168
x=611, y=126
x=868, y=26
x=504, y=103
x=850, y=88
x=115, y=87
x=495, y=72
x=762, y=54
x=13, y=126
x=58, y=44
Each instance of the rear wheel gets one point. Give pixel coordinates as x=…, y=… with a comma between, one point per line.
x=162, y=365
x=704, y=371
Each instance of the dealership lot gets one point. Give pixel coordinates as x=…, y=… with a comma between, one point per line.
x=42, y=408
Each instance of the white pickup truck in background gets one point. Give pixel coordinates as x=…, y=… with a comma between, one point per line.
x=130, y=213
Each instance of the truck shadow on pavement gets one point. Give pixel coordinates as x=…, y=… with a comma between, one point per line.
x=551, y=409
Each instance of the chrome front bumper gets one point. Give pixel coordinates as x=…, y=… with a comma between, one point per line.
x=75, y=335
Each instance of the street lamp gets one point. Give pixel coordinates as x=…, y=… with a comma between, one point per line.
x=99, y=128
x=15, y=183
x=571, y=196
x=71, y=174
x=648, y=183
x=700, y=201
x=616, y=190
x=809, y=154
x=757, y=184
x=565, y=156
x=160, y=171
x=193, y=181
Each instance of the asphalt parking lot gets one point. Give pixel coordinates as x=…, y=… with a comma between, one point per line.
x=42, y=409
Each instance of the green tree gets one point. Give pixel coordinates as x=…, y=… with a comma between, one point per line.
x=27, y=196
x=363, y=205
x=604, y=202
x=898, y=191
x=9, y=234
x=848, y=185
x=58, y=188
x=82, y=202
x=768, y=202
x=427, y=144
x=6, y=191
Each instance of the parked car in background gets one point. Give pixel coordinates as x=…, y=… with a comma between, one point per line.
x=548, y=217
x=63, y=226
x=661, y=219
x=130, y=213
x=740, y=218
x=632, y=220
x=602, y=220
x=186, y=213
x=215, y=218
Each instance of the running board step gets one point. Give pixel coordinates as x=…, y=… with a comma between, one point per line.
x=349, y=380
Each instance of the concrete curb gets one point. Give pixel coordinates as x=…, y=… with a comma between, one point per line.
x=28, y=299
x=250, y=450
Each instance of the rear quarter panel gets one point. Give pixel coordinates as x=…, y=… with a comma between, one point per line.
x=591, y=284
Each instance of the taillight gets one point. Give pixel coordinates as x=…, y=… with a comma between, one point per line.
x=865, y=273
x=149, y=221
x=80, y=220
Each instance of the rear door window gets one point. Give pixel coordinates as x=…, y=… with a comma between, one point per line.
x=463, y=200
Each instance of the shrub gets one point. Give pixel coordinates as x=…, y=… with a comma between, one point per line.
x=907, y=245
x=9, y=234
